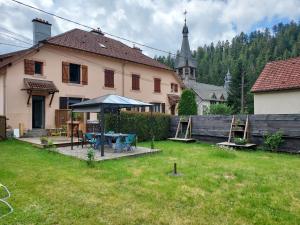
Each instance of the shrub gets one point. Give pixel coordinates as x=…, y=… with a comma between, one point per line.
x=273, y=141
x=141, y=124
x=44, y=140
x=240, y=141
x=187, y=104
x=219, y=109
x=90, y=156
x=51, y=146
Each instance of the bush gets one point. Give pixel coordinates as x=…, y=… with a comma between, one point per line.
x=187, y=104
x=90, y=157
x=273, y=141
x=141, y=124
x=240, y=141
x=219, y=109
x=50, y=146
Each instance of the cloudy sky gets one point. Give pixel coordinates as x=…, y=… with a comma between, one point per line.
x=156, y=23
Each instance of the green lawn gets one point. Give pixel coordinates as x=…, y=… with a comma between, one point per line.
x=217, y=187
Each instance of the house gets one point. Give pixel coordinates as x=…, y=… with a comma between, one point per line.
x=277, y=89
x=186, y=67
x=76, y=65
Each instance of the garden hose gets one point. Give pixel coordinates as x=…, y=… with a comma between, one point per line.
x=5, y=202
x=6, y=190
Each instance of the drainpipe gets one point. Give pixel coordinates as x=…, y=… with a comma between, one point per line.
x=123, y=79
x=4, y=93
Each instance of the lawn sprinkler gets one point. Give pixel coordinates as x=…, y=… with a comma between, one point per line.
x=3, y=201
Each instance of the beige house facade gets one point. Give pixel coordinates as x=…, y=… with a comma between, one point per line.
x=283, y=102
x=77, y=74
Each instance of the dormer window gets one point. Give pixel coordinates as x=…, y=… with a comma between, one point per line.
x=38, y=68
x=213, y=96
x=32, y=67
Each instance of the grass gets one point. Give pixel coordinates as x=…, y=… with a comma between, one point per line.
x=217, y=187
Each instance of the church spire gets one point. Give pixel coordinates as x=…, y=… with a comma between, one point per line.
x=185, y=64
x=185, y=29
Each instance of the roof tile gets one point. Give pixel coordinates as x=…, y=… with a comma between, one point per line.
x=102, y=45
x=279, y=75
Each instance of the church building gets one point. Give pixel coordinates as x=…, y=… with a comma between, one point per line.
x=186, y=68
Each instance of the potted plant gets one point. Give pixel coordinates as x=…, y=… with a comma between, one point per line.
x=44, y=140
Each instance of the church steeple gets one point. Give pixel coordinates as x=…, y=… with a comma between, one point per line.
x=227, y=80
x=185, y=65
x=185, y=29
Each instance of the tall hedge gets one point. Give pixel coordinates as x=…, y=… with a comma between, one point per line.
x=219, y=109
x=187, y=104
x=141, y=124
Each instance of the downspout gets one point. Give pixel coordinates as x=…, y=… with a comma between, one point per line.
x=123, y=79
x=4, y=92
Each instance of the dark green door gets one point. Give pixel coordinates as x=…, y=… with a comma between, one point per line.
x=38, y=112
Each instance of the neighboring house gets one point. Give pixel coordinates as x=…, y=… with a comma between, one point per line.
x=186, y=67
x=76, y=65
x=277, y=89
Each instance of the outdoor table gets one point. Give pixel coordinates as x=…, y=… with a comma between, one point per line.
x=110, y=137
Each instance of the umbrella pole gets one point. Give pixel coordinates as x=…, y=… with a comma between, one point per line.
x=102, y=129
x=152, y=125
x=72, y=129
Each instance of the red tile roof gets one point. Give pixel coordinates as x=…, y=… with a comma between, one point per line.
x=102, y=45
x=279, y=75
x=39, y=85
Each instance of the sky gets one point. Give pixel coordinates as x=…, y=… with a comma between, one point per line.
x=156, y=23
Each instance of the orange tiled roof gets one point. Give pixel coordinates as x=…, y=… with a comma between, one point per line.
x=279, y=75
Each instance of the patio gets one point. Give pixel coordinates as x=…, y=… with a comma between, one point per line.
x=81, y=153
x=63, y=145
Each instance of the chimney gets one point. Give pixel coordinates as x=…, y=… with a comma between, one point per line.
x=97, y=31
x=41, y=30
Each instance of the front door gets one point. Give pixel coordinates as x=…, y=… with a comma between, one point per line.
x=173, y=107
x=38, y=112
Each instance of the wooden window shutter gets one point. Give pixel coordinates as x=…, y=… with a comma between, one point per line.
x=65, y=72
x=176, y=87
x=112, y=80
x=109, y=78
x=163, y=107
x=28, y=67
x=63, y=102
x=135, y=82
x=84, y=74
x=156, y=85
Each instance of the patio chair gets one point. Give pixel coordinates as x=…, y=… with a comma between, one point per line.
x=130, y=141
x=119, y=145
x=64, y=130
x=89, y=138
x=80, y=138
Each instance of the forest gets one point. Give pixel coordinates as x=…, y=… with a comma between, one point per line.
x=244, y=56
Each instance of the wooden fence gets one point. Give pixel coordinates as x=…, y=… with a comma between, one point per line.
x=2, y=128
x=216, y=128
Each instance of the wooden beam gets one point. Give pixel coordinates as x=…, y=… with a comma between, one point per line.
x=29, y=96
x=51, y=98
x=178, y=127
x=229, y=137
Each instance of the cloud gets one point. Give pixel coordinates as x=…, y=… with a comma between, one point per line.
x=153, y=22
